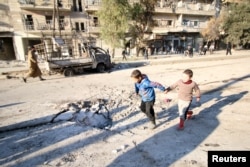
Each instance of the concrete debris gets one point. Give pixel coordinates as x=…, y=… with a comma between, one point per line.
x=90, y=113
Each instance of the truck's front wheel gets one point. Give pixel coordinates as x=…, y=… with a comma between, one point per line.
x=100, y=68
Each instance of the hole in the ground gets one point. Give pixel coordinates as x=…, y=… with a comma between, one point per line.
x=88, y=113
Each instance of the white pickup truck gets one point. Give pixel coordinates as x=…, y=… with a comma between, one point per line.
x=60, y=56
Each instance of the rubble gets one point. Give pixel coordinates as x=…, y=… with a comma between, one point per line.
x=89, y=113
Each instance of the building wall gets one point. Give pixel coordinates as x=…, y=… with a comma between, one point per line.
x=178, y=23
x=6, y=32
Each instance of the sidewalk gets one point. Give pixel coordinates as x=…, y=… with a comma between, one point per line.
x=170, y=57
x=21, y=66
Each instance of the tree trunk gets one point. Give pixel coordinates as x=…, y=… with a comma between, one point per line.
x=113, y=52
x=137, y=51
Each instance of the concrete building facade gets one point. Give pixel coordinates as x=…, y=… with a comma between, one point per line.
x=178, y=23
x=24, y=22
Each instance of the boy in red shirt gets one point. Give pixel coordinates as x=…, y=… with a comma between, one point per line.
x=185, y=95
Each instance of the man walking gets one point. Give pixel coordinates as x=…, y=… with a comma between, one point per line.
x=34, y=70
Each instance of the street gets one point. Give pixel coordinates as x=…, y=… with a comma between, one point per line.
x=28, y=138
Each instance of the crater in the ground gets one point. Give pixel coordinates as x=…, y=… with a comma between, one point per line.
x=88, y=113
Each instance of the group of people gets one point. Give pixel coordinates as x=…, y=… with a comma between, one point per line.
x=145, y=51
x=204, y=48
x=145, y=89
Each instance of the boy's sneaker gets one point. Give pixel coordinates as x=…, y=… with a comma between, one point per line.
x=181, y=124
x=152, y=125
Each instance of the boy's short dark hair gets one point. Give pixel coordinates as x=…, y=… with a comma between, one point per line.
x=188, y=72
x=136, y=74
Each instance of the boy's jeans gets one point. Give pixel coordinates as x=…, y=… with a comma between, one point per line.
x=148, y=109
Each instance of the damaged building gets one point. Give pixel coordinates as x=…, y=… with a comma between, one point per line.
x=24, y=22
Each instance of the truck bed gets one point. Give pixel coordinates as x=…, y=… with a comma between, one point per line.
x=63, y=63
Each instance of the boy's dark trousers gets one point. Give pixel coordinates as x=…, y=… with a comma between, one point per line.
x=148, y=109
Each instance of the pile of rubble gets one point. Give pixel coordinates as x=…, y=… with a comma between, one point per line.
x=89, y=113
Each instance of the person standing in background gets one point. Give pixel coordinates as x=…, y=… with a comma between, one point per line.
x=229, y=47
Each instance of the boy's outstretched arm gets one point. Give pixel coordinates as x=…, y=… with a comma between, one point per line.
x=172, y=87
x=197, y=92
x=156, y=85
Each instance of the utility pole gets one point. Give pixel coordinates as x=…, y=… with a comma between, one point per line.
x=56, y=15
x=217, y=8
x=54, y=18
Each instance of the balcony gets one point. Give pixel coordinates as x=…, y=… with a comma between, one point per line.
x=44, y=5
x=92, y=5
x=188, y=27
x=46, y=26
x=164, y=30
x=202, y=9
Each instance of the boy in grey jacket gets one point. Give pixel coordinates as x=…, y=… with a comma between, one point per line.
x=185, y=95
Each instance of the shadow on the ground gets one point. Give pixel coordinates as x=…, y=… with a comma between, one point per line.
x=151, y=152
x=157, y=151
x=11, y=104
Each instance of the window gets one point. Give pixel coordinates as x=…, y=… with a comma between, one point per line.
x=95, y=20
x=165, y=23
x=61, y=22
x=82, y=27
x=29, y=24
x=169, y=23
x=195, y=23
x=59, y=3
x=48, y=19
x=77, y=5
x=77, y=26
x=80, y=5
x=74, y=6
x=185, y=22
